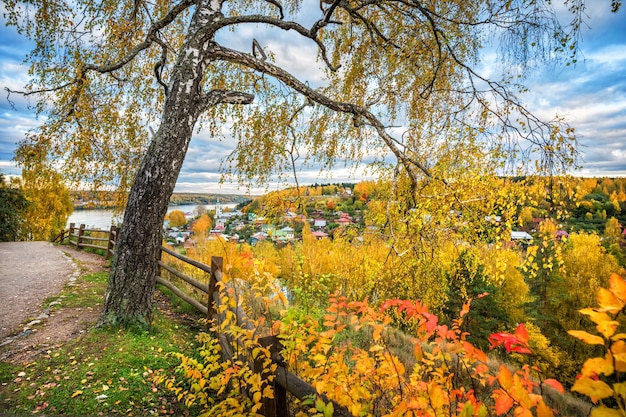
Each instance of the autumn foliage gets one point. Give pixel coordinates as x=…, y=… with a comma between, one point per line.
x=352, y=354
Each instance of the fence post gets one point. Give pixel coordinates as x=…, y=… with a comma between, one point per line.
x=71, y=234
x=216, y=265
x=277, y=406
x=81, y=232
x=112, y=241
x=159, y=258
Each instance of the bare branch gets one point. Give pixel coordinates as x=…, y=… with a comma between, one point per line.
x=256, y=48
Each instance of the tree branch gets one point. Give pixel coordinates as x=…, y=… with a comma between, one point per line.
x=215, y=97
x=279, y=6
x=281, y=24
x=229, y=55
x=151, y=37
x=158, y=68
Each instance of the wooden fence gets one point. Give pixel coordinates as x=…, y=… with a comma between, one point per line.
x=284, y=380
x=81, y=237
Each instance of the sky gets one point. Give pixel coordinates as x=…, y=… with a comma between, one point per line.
x=591, y=96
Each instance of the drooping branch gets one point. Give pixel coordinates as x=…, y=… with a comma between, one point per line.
x=358, y=112
x=151, y=37
x=281, y=24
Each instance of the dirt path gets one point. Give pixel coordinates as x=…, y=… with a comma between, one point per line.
x=30, y=272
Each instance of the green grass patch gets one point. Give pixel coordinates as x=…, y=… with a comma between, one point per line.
x=104, y=371
x=87, y=292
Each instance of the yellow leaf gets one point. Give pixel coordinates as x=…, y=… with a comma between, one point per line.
x=520, y=394
x=77, y=393
x=586, y=337
x=596, y=316
x=543, y=410
x=268, y=392
x=607, y=328
x=596, y=390
x=505, y=378
x=597, y=366
x=618, y=350
x=436, y=397
x=603, y=411
x=620, y=389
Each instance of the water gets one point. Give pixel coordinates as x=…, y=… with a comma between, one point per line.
x=103, y=219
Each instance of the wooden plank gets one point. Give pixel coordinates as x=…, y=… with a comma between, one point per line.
x=190, y=261
x=88, y=245
x=195, y=303
x=199, y=285
x=300, y=389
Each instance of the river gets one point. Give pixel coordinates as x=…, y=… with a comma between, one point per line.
x=103, y=219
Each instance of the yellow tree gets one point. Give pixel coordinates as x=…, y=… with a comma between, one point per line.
x=202, y=226
x=586, y=268
x=106, y=72
x=50, y=204
x=613, y=230
x=177, y=218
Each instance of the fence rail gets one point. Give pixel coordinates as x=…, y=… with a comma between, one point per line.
x=284, y=380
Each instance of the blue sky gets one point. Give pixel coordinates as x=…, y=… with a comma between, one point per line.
x=591, y=95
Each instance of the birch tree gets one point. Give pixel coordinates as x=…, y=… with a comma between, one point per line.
x=403, y=80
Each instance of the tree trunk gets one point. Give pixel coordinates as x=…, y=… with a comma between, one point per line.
x=128, y=298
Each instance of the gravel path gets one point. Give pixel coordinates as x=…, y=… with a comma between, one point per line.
x=30, y=272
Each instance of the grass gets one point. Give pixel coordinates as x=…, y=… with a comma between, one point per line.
x=102, y=372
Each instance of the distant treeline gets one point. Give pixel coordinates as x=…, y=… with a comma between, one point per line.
x=87, y=200
x=178, y=199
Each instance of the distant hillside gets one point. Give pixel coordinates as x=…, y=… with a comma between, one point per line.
x=178, y=199
x=107, y=199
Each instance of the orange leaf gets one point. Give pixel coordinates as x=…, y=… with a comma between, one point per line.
x=503, y=404
x=608, y=301
x=586, y=337
x=555, y=384
x=521, y=333
x=617, y=285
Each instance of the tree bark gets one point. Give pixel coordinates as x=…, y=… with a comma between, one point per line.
x=128, y=298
